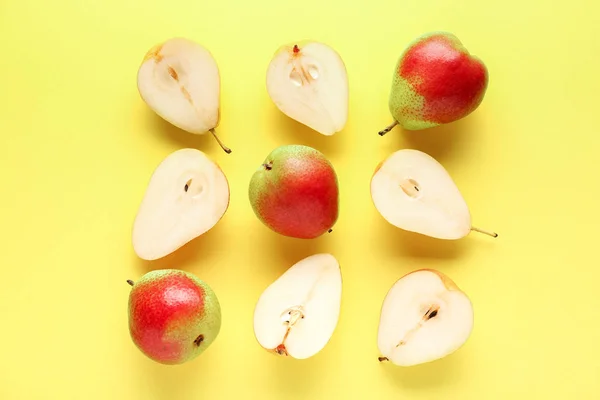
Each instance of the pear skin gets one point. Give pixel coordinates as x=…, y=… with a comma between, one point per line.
x=295, y=192
x=173, y=316
x=436, y=81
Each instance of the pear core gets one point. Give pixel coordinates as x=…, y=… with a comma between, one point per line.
x=424, y=317
x=308, y=82
x=296, y=315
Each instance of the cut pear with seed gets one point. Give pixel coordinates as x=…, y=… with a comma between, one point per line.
x=179, y=80
x=308, y=82
x=414, y=192
x=424, y=317
x=186, y=196
x=297, y=314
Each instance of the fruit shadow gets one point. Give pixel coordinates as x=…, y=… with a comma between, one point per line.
x=287, y=250
x=198, y=250
x=418, y=245
x=439, y=141
x=298, y=379
x=178, y=381
x=435, y=374
x=165, y=130
x=297, y=133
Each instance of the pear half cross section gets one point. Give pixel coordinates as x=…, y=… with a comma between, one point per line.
x=187, y=195
x=424, y=317
x=297, y=314
x=413, y=191
x=308, y=82
x=179, y=80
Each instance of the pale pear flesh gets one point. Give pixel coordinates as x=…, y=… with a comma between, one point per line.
x=308, y=82
x=424, y=317
x=186, y=196
x=297, y=314
x=414, y=192
x=180, y=81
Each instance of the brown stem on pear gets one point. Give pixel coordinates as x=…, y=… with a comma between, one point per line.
x=381, y=359
x=329, y=231
x=432, y=311
x=388, y=128
x=225, y=148
x=268, y=166
x=130, y=282
x=489, y=233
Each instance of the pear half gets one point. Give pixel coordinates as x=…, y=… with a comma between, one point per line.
x=424, y=317
x=413, y=191
x=186, y=196
x=308, y=82
x=179, y=80
x=297, y=314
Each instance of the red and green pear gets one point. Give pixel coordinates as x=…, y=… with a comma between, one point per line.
x=436, y=81
x=173, y=316
x=295, y=192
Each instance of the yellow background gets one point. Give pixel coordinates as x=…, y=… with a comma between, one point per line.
x=78, y=146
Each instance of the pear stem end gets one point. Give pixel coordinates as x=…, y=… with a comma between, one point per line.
x=388, y=128
x=225, y=148
x=489, y=233
x=381, y=359
x=130, y=282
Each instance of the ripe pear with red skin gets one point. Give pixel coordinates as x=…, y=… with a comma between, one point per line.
x=173, y=316
x=295, y=192
x=436, y=81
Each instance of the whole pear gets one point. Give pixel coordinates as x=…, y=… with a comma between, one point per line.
x=173, y=316
x=295, y=192
x=436, y=81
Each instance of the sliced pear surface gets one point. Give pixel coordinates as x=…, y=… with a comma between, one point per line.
x=179, y=80
x=414, y=192
x=297, y=314
x=186, y=196
x=424, y=317
x=308, y=82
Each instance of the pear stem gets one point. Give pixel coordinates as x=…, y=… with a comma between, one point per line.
x=225, y=148
x=489, y=233
x=388, y=128
x=381, y=359
x=130, y=282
